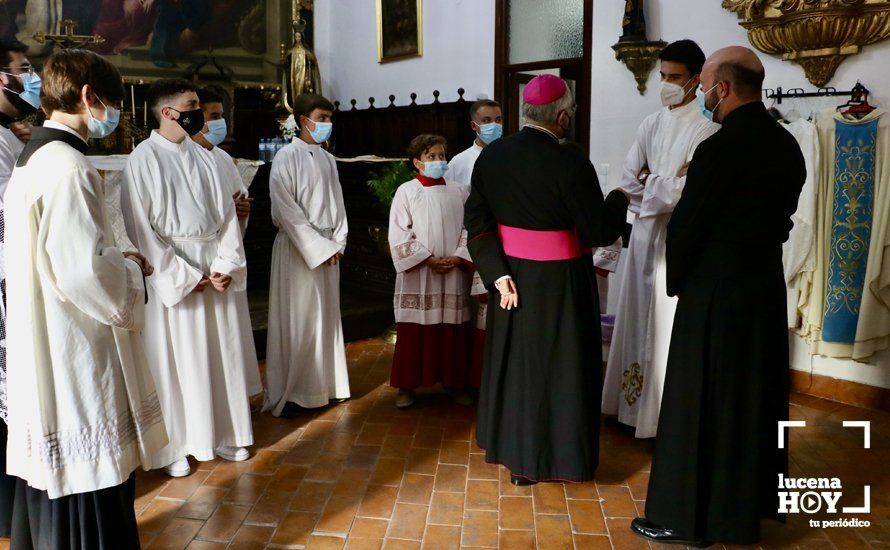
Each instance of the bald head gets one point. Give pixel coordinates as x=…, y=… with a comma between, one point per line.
x=740, y=67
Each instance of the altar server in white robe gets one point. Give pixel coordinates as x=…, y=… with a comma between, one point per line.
x=210, y=137
x=654, y=174
x=19, y=97
x=305, y=352
x=83, y=411
x=428, y=244
x=214, y=133
x=180, y=214
x=487, y=122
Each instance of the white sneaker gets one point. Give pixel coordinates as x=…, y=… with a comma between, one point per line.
x=180, y=468
x=404, y=399
x=233, y=454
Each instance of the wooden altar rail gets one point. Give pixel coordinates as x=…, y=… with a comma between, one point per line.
x=386, y=131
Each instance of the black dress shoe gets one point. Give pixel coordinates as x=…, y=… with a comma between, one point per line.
x=663, y=535
x=520, y=481
x=292, y=410
x=337, y=401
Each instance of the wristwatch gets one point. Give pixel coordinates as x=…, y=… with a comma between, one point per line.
x=644, y=177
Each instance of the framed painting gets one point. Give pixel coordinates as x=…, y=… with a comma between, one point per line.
x=399, y=29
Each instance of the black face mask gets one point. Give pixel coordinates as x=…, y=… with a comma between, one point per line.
x=23, y=107
x=191, y=121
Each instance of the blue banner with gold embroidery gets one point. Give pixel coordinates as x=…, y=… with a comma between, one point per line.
x=854, y=182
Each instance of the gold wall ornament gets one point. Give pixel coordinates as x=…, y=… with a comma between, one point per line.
x=816, y=34
x=633, y=49
x=640, y=58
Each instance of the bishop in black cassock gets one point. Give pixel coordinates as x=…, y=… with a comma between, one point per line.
x=539, y=403
x=716, y=462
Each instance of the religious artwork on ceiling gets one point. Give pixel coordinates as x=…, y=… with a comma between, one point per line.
x=146, y=37
x=399, y=29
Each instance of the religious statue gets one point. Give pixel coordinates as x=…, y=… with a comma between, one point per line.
x=301, y=73
x=633, y=49
x=634, y=23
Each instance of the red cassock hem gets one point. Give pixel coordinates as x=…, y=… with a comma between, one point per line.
x=427, y=355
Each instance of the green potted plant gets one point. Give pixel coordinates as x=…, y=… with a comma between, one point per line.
x=383, y=184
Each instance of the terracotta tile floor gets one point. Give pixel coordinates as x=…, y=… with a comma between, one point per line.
x=363, y=475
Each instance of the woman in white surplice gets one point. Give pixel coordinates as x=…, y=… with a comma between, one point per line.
x=653, y=176
x=305, y=353
x=180, y=214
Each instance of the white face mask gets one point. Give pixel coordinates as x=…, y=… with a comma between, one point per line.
x=673, y=94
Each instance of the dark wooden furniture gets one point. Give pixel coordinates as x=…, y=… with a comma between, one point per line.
x=367, y=274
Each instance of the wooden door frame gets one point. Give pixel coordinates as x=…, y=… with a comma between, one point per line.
x=503, y=71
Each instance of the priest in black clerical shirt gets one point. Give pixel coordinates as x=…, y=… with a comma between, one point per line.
x=716, y=461
x=534, y=211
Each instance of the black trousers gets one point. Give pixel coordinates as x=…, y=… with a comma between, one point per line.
x=99, y=520
x=7, y=487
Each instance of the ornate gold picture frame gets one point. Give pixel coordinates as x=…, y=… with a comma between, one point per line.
x=399, y=29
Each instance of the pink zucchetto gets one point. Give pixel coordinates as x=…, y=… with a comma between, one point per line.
x=544, y=89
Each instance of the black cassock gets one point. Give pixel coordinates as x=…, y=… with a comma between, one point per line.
x=539, y=403
x=716, y=462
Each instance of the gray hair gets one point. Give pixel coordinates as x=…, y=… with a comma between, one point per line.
x=548, y=113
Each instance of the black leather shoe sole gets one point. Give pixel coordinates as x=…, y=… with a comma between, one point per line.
x=655, y=533
x=292, y=410
x=521, y=481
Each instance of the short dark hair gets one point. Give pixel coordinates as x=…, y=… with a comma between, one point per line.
x=304, y=104
x=206, y=95
x=65, y=74
x=165, y=89
x=686, y=52
x=9, y=46
x=747, y=82
x=474, y=108
x=423, y=143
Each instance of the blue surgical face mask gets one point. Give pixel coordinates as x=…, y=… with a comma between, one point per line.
x=101, y=128
x=434, y=169
x=31, y=88
x=702, y=102
x=322, y=131
x=490, y=132
x=216, y=131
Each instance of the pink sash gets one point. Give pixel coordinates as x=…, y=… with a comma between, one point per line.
x=541, y=246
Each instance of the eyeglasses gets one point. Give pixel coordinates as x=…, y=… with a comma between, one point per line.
x=30, y=70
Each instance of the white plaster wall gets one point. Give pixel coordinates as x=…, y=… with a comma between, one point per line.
x=458, y=52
